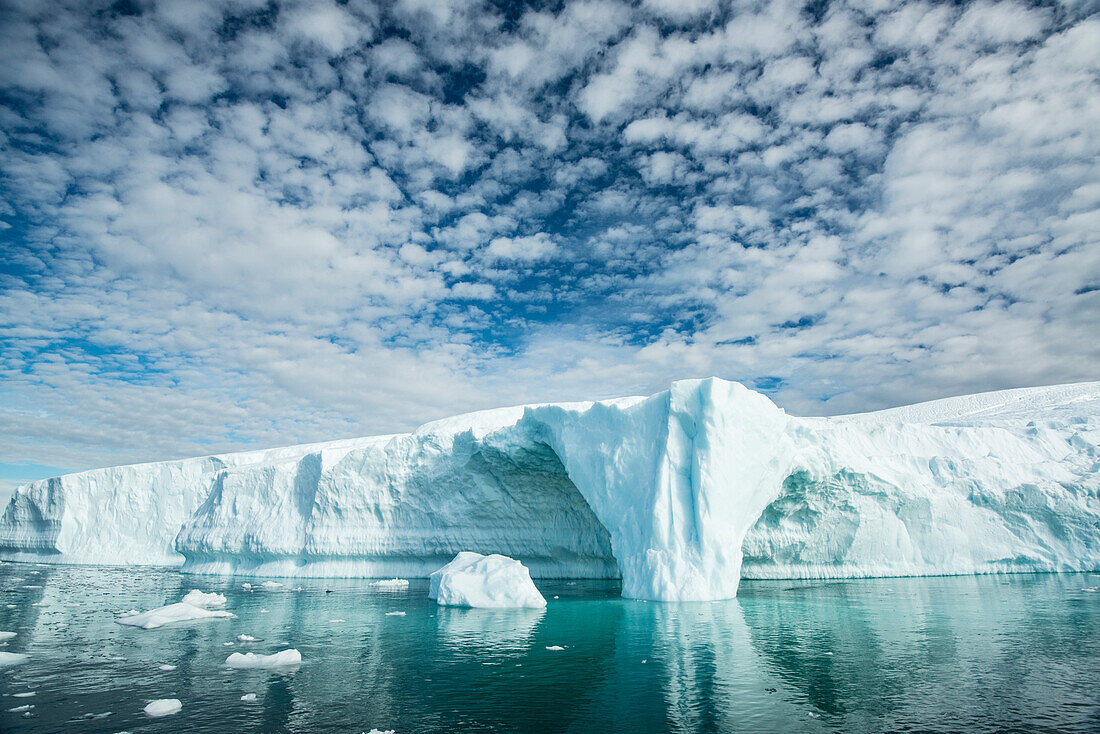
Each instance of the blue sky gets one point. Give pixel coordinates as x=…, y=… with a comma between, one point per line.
x=237, y=224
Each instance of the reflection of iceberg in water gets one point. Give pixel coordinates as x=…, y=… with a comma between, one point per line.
x=712, y=679
x=490, y=630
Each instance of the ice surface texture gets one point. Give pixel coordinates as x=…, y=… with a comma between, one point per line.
x=682, y=494
x=492, y=582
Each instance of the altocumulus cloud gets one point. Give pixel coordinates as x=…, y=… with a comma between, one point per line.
x=239, y=223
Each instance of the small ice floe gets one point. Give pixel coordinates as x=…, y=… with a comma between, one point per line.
x=11, y=658
x=116, y=659
x=379, y=731
x=40, y=604
x=202, y=599
x=245, y=638
x=828, y=653
x=390, y=584
x=297, y=588
x=645, y=661
x=1090, y=588
x=5, y=636
x=263, y=611
x=25, y=694
x=21, y=709
x=395, y=614
x=246, y=586
x=285, y=659
x=228, y=644
x=248, y=697
x=33, y=586
x=9, y=606
x=493, y=581
x=555, y=597
x=271, y=585
x=554, y=647
x=812, y=715
x=163, y=707
x=336, y=621
x=91, y=717
x=166, y=667
x=178, y=612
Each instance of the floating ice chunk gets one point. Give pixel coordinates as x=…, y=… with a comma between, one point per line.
x=11, y=658
x=228, y=644
x=281, y=660
x=494, y=581
x=5, y=636
x=246, y=586
x=337, y=621
x=26, y=694
x=178, y=612
x=166, y=667
x=24, y=707
x=163, y=707
x=554, y=647
x=248, y=697
x=202, y=599
x=390, y=584
x=271, y=585
x=245, y=638
x=395, y=614
x=379, y=731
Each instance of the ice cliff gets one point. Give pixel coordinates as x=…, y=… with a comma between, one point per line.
x=681, y=494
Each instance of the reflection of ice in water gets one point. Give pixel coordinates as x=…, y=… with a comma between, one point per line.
x=500, y=629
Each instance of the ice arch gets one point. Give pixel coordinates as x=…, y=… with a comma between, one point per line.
x=678, y=479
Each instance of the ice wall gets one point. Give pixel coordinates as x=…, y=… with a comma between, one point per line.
x=671, y=492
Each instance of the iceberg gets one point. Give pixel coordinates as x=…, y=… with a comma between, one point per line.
x=284, y=659
x=202, y=599
x=680, y=494
x=488, y=582
x=179, y=612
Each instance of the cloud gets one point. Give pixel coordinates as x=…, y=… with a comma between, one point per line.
x=230, y=225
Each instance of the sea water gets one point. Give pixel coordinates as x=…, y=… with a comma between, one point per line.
x=945, y=654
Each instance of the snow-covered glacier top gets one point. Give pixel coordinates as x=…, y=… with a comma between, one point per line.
x=681, y=494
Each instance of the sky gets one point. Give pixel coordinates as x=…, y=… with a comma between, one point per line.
x=242, y=224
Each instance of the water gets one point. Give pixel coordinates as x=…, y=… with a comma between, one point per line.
x=971, y=654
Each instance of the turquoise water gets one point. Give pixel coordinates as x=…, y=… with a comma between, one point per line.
x=952, y=654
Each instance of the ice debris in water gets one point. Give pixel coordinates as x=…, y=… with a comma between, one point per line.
x=249, y=697
x=284, y=659
x=178, y=612
x=5, y=636
x=11, y=658
x=245, y=638
x=395, y=614
x=202, y=599
x=163, y=707
x=271, y=585
x=24, y=707
x=379, y=731
x=26, y=694
x=166, y=667
x=554, y=647
x=493, y=581
x=390, y=584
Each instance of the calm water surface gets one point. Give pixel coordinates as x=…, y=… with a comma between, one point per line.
x=974, y=654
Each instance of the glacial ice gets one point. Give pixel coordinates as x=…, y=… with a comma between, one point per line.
x=284, y=659
x=680, y=494
x=178, y=612
x=11, y=658
x=202, y=599
x=163, y=707
x=488, y=582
